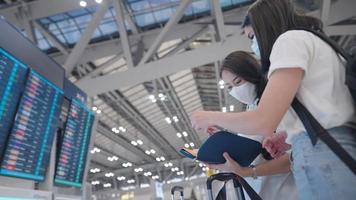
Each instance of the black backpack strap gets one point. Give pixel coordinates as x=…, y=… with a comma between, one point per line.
x=315, y=130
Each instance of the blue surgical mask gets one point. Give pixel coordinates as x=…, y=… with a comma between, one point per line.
x=255, y=48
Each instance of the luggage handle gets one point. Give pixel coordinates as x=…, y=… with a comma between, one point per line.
x=222, y=177
x=239, y=183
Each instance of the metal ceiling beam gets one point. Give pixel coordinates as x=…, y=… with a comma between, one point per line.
x=42, y=8
x=159, y=68
x=123, y=33
x=219, y=20
x=186, y=30
x=140, y=122
x=129, y=19
x=187, y=42
x=167, y=28
x=341, y=30
x=79, y=48
x=325, y=10
x=180, y=109
x=53, y=39
x=340, y=10
x=100, y=68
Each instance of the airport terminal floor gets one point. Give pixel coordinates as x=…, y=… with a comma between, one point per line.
x=106, y=99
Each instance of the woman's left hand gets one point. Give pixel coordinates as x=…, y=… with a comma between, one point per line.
x=232, y=166
x=202, y=119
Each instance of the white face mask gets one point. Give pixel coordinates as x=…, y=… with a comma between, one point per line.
x=245, y=93
x=255, y=48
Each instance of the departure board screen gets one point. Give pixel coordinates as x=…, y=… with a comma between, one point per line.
x=74, y=147
x=30, y=141
x=12, y=81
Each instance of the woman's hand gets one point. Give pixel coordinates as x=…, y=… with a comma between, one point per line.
x=202, y=119
x=212, y=130
x=232, y=166
x=276, y=144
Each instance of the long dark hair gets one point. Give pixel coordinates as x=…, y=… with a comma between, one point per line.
x=271, y=18
x=245, y=66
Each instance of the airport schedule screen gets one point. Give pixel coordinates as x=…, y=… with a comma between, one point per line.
x=12, y=80
x=74, y=145
x=30, y=141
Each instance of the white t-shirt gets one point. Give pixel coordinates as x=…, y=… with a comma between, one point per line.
x=322, y=91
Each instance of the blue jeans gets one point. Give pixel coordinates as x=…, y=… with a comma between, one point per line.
x=319, y=174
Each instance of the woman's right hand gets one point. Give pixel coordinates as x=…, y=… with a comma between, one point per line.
x=212, y=130
x=276, y=144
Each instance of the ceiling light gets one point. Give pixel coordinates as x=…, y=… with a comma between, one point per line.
x=98, y=111
x=222, y=86
x=168, y=120
x=185, y=134
x=153, y=151
x=223, y=109
x=99, y=1
x=221, y=82
x=232, y=108
x=139, y=142
x=147, y=152
x=131, y=181
x=110, y=174
x=179, y=135
x=147, y=174
x=158, y=159
x=163, y=158
x=134, y=143
x=160, y=95
x=83, y=3
x=94, y=108
x=191, y=144
x=175, y=119
x=95, y=182
x=107, y=185
x=186, y=145
x=121, y=178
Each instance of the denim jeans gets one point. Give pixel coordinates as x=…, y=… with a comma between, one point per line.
x=319, y=174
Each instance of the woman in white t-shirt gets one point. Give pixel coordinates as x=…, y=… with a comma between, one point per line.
x=297, y=64
x=242, y=75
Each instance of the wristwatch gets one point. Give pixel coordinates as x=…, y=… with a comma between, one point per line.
x=254, y=171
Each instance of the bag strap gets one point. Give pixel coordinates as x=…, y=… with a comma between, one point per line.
x=315, y=130
x=249, y=190
x=328, y=40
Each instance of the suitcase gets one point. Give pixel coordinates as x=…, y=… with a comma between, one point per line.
x=224, y=177
x=239, y=184
x=178, y=189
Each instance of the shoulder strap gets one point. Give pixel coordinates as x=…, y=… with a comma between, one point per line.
x=315, y=130
x=328, y=40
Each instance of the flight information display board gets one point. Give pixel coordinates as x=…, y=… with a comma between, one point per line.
x=12, y=81
x=30, y=141
x=74, y=145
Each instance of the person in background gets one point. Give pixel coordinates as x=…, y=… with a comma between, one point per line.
x=242, y=75
x=297, y=64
